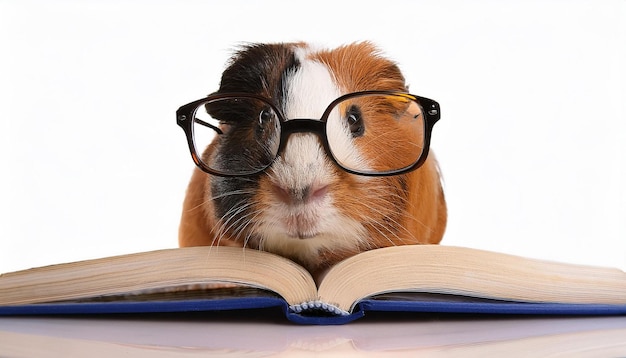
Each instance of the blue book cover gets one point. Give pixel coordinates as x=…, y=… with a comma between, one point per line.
x=416, y=304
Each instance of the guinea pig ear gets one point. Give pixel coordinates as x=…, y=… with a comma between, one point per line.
x=217, y=110
x=213, y=110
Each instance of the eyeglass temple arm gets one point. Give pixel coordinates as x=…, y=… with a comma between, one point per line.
x=200, y=121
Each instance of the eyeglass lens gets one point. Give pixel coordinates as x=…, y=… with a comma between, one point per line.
x=237, y=136
x=376, y=133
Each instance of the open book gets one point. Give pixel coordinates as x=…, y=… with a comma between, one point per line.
x=421, y=278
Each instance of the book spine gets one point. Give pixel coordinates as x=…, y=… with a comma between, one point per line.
x=318, y=306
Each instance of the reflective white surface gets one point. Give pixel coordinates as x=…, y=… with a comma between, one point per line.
x=269, y=335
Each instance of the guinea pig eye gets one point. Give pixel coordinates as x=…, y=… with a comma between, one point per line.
x=267, y=121
x=355, y=121
x=265, y=115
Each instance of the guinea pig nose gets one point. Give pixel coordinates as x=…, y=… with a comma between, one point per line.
x=294, y=196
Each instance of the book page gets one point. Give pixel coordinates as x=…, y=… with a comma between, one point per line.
x=158, y=270
x=468, y=272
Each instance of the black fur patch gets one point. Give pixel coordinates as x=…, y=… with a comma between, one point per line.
x=261, y=69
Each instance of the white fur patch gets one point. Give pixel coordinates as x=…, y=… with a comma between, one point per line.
x=304, y=164
x=304, y=161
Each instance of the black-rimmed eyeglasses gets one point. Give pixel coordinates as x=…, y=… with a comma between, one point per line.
x=372, y=133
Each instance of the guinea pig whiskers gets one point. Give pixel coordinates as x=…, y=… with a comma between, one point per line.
x=245, y=225
x=412, y=218
x=197, y=207
x=377, y=225
x=232, y=217
x=399, y=228
x=421, y=223
x=253, y=224
x=390, y=225
x=247, y=222
x=220, y=229
x=384, y=229
x=233, y=192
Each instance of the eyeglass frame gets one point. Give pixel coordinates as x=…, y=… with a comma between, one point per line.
x=186, y=113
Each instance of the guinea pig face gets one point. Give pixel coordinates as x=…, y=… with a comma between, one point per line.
x=304, y=206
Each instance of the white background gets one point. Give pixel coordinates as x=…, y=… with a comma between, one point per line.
x=531, y=141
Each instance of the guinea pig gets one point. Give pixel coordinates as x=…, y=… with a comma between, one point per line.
x=304, y=205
